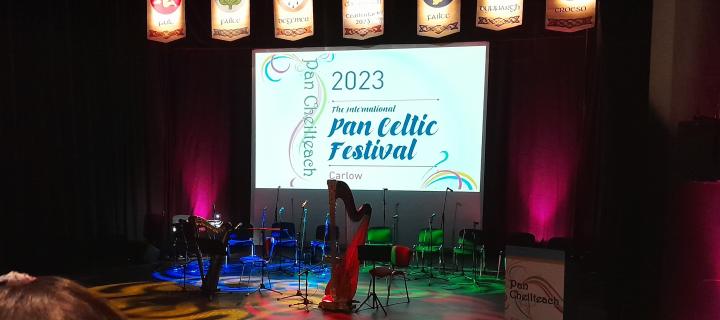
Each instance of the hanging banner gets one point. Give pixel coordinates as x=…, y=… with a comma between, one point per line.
x=363, y=19
x=230, y=19
x=569, y=15
x=293, y=19
x=165, y=20
x=499, y=14
x=438, y=18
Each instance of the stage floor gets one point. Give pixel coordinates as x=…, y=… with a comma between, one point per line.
x=165, y=298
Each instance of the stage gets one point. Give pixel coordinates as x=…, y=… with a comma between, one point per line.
x=595, y=134
x=164, y=297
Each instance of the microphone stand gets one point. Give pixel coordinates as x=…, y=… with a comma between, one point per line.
x=320, y=266
x=277, y=199
x=300, y=273
x=442, y=226
x=384, y=206
x=428, y=273
x=264, y=262
x=430, y=229
x=304, y=231
x=452, y=242
x=396, y=220
x=474, y=278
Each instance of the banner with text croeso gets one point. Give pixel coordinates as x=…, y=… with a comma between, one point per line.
x=499, y=14
x=569, y=15
x=363, y=19
x=293, y=19
x=534, y=284
x=165, y=20
x=230, y=19
x=438, y=18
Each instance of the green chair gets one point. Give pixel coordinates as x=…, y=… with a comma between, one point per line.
x=429, y=242
x=470, y=244
x=379, y=236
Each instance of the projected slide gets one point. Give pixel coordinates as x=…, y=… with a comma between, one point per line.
x=402, y=118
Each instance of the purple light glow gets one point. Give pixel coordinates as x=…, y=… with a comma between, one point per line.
x=543, y=157
x=204, y=175
x=202, y=155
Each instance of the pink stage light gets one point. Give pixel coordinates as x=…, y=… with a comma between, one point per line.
x=546, y=194
x=203, y=155
x=544, y=152
x=204, y=176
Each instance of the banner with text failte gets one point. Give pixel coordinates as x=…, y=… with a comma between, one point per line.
x=408, y=118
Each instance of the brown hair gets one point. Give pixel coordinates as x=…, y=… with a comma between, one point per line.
x=53, y=298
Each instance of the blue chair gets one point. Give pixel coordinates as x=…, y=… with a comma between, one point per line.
x=285, y=237
x=241, y=238
x=321, y=239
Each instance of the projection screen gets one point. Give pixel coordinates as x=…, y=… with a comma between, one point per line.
x=407, y=118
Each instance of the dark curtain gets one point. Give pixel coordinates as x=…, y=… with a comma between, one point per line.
x=540, y=87
x=73, y=117
x=202, y=107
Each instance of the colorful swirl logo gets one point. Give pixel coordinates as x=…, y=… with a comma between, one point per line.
x=275, y=67
x=462, y=178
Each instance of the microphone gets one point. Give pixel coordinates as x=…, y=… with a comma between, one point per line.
x=304, y=203
x=395, y=216
x=385, y=189
x=238, y=225
x=432, y=216
x=448, y=189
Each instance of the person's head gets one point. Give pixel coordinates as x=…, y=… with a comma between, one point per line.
x=25, y=297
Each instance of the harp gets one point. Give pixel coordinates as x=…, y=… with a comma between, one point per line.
x=208, y=240
x=343, y=282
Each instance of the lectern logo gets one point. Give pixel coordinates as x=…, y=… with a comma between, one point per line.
x=438, y=3
x=165, y=6
x=293, y=5
x=229, y=5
